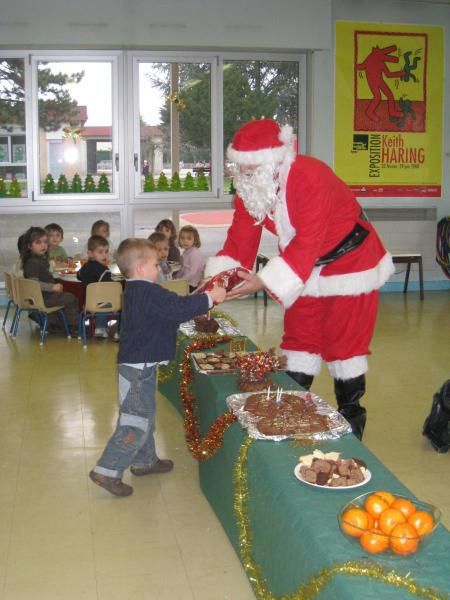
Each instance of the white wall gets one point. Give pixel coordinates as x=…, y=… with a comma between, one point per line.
x=285, y=24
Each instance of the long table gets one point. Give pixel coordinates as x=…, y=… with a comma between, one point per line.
x=295, y=536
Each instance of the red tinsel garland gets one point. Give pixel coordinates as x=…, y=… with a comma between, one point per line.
x=201, y=449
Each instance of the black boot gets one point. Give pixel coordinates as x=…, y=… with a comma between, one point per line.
x=301, y=378
x=437, y=425
x=348, y=393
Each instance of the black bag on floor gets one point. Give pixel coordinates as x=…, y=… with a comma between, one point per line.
x=437, y=425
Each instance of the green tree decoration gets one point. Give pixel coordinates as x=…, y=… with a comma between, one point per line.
x=163, y=184
x=2, y=188
x=75, y=186
x=103, y=184
x=62, y=186
x=49, y=185
x=189, y=183
x=14, y=189
x=202, y=182
x=232, y=189
x=89, y=184
x=149, y=183
x=175, y=185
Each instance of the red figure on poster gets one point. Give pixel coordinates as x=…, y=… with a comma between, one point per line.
x=375, y=67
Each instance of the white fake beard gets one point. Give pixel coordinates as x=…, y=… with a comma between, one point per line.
x=258, y=190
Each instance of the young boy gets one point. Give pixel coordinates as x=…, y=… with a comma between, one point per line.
x=97, y=269
x=55, y=235
x=150, y=319
x=161, y=243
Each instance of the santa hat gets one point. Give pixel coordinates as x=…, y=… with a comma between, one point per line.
x=261, y=142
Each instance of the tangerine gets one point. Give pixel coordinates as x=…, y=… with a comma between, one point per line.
x=373, y=541
x=422, y=521
x=386, y=495
x=354, y=521
x=407, y=507
x=389, y=518
x=375, y=505
x=404, y=539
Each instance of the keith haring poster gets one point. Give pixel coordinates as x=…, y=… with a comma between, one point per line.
x=388, y=109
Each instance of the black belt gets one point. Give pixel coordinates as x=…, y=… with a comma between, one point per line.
x=351, y=241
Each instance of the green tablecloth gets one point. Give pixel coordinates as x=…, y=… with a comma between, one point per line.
x=295, y=528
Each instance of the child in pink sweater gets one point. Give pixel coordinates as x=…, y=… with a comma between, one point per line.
x=193, y=259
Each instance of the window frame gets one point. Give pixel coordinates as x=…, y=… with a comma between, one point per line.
x=217, y=197
x=83, y=199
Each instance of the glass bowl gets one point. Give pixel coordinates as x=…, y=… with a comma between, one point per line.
x=361, y=529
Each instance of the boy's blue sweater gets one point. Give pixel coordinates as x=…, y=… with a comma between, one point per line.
x=150, y=319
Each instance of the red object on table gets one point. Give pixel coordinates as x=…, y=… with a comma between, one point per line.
x=227, y=279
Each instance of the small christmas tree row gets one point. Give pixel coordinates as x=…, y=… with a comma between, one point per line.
x=76, y=186
x=190, y=183
x=14, y=191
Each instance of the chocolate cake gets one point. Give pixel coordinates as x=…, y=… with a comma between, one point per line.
x=205, y=325
x=294, y=414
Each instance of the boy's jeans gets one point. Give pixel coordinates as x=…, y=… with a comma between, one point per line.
x=132, y=442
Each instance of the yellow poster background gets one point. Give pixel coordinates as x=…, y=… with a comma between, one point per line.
x=389, y=147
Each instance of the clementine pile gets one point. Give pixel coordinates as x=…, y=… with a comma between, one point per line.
x=387, y=522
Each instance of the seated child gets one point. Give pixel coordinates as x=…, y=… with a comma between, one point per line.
x=193, y=259
x=167, y=227
x=161, y=243
x=150, y=319
x=101, y=227
x=35, y=265
x=55, y=235
x=96, y=269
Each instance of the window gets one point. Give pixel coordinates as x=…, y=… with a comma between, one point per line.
x=13, y=148
x=174, y=126
x=75, y=126
x=255, y=89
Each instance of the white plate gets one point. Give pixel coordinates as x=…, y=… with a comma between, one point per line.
x=327, y=487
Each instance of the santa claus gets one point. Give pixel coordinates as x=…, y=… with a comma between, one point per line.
x=330, y=265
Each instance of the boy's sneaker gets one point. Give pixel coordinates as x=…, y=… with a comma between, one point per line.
x=162, y=465
x=100, y=332
x=116, y=336
x=114, y=485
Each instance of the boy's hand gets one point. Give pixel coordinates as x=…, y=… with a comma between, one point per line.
x=217, y=294
x=58, y=287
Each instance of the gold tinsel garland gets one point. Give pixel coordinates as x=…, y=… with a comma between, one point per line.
x=201, y=449
x=309, y=590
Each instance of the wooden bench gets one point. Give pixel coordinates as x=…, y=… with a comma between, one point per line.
x=408, y=258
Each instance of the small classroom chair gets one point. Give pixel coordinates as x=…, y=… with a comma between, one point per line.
x=179, y=286
x=29, y=299
x=10, y=287
x=102, y=298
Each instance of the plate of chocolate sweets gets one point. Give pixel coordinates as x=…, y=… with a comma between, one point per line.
x=330, y=471
x=216, y=362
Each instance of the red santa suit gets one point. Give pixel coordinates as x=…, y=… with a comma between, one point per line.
x=330, y=308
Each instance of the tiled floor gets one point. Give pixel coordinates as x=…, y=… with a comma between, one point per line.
x=63, y=538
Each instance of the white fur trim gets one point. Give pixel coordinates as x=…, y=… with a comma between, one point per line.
x=303, y=362
x=349, y=284
x=348, y=369
x=217, y=264
x=286, y=135
x=281, y=280
x=256, y=157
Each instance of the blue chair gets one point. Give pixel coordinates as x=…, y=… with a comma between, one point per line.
x=11, y=294
x=29, y=299
x=102, y=298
